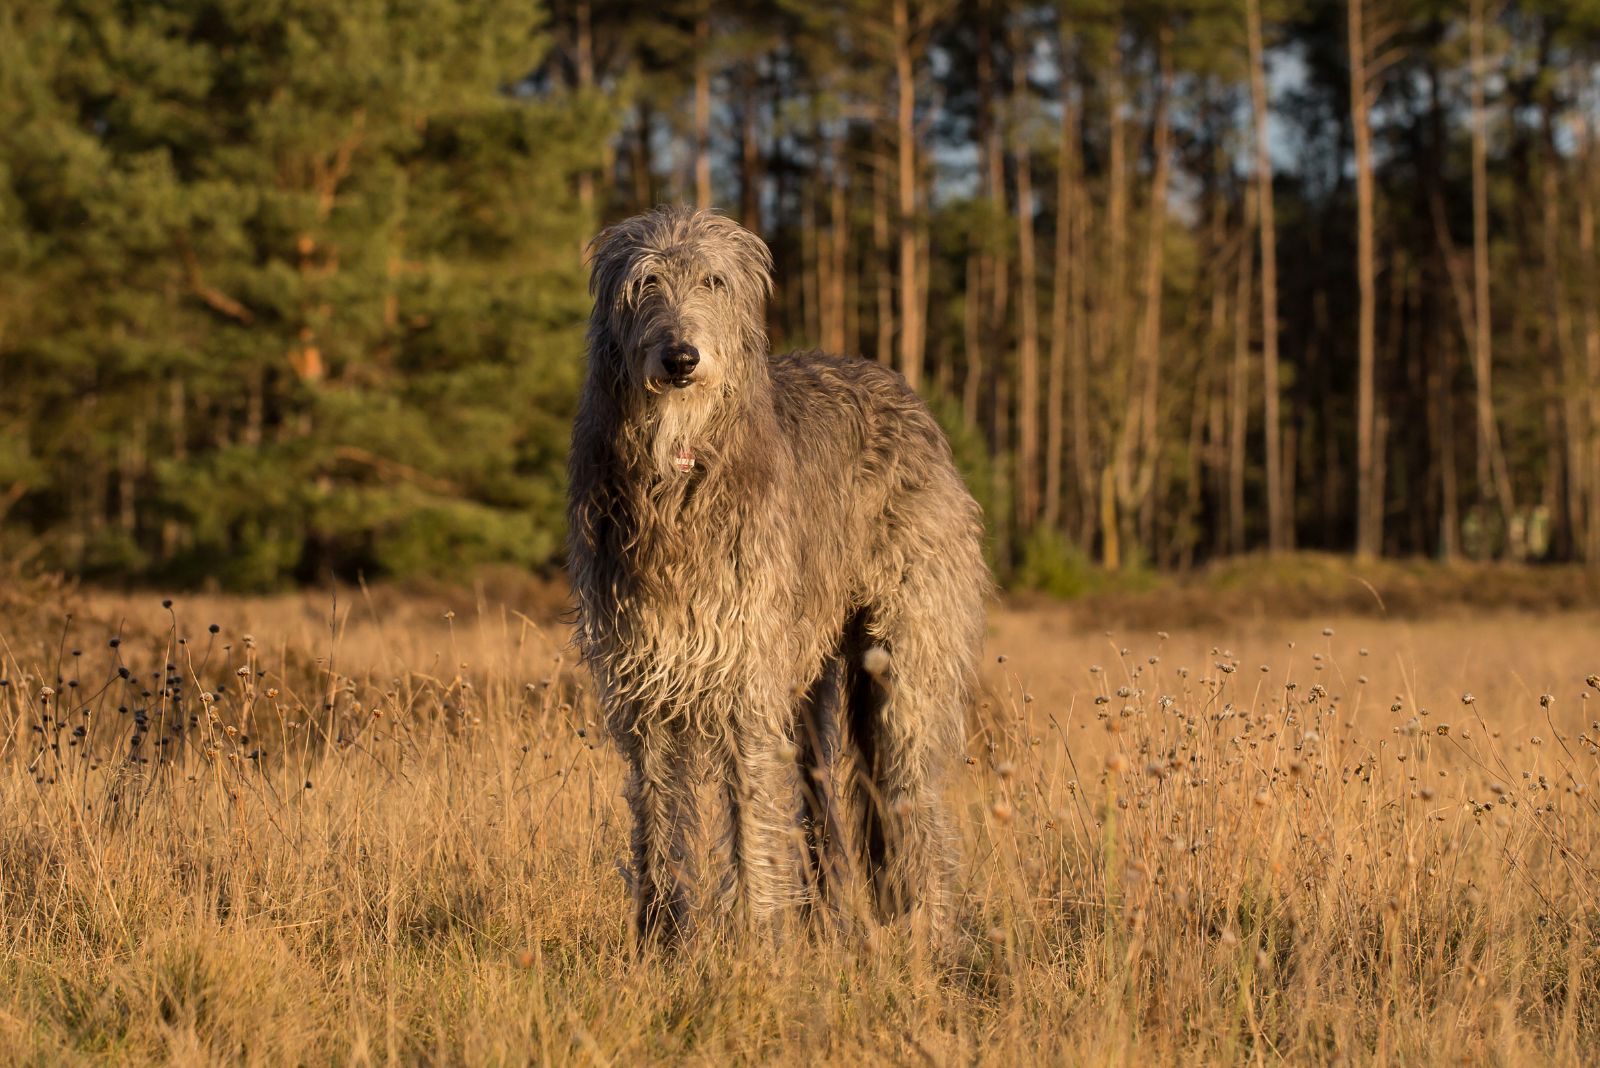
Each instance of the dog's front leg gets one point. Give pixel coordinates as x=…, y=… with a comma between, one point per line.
x=660, y=794
x=764, y=832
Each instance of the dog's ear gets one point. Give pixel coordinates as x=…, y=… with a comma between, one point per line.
x=751, y=254
x=759, y=259
x=605, y=265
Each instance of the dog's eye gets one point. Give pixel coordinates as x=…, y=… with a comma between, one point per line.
x=651, y=281
x=714, y=281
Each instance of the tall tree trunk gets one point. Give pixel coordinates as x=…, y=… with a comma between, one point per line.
x=812, y=291
x=583, y=33
x=1442, y=435
x=972, y=315
x=1368, y=533
x=906, y=176
x=642, y=158
x=1239, y=385
x=750, y=152
x=1061, y=292
x=1558, y=366
x=1027, y=300
x=1111, y=349
x=1588, y=442
x=1271, y=426
x=880, y=249
x=979, y=312
x=1219, y=251
x=1492, y=477
x=997, y=260
x=702, y=109
x=1138, y=445
x=833, y=335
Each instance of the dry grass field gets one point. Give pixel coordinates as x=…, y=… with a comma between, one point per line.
x=385, y=830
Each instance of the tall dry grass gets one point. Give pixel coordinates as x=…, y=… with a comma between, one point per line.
x=379, y=831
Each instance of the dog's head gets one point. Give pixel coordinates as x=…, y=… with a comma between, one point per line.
x=680, y=300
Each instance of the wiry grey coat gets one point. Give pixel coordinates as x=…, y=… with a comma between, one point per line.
x=778, y=572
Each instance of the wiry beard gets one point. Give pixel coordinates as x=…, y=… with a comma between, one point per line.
x=679, y=420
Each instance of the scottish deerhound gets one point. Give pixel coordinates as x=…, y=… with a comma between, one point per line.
x=778, y=574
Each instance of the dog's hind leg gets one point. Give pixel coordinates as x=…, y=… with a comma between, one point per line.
x=820, y=723
x=908, y=692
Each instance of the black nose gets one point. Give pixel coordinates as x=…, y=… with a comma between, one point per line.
x=680, y=360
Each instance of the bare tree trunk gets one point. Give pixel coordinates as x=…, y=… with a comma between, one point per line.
x=1558, y=374
x=1368, y=535
x=1271, y=431
x=702, y=110
x=1482, y=359
x=750, y=153
x=1588, y=443
x=906, y=171
x=1138, y=444
x=1219, y=252
x=1443, y=447
x=1061, y=297
x=1155, y=276
x=810, y=290
x=643, y=163
x=1492, y=476
x=1081, y=325
x=880, y=249
x=997, y=262
x=924, y=269
x=972, y=313
x=980, y=314
x=852, y=305
x=1113, y=297
x=833, y=334
x=1393, y=345
x=1004, y=543
x=1239, y=386
x=584, y=35
x=1027, y=301
x=1291, y=442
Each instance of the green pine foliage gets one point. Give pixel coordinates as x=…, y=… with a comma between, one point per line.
x=286, y=287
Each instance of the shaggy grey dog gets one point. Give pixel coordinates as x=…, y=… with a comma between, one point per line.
x=779, y=582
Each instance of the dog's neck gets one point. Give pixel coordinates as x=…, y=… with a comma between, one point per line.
x=679, y=436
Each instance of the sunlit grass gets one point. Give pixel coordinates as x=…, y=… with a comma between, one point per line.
x=387, y=832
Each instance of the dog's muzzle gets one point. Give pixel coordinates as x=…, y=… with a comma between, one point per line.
x=679, y=361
